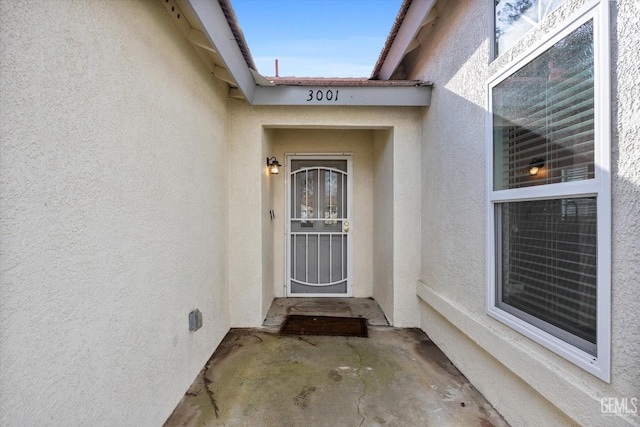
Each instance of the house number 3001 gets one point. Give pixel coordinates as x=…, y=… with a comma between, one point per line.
x=319, y=95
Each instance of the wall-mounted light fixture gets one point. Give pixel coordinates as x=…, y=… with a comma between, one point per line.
x=535, y=166
x=274, y=166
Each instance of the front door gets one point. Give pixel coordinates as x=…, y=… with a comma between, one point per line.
x=319, y=226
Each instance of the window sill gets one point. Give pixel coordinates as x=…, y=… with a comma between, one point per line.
x=536, y=368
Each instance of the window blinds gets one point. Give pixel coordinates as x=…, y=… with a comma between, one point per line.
x=544, y=114
x=549, y=263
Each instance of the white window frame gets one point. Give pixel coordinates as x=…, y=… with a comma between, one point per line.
x=599, y=186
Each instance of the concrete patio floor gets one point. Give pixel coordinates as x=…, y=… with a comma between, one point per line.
x=395, y=377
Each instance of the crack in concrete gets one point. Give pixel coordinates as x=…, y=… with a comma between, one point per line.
x=294, y=307
x=364, y=383
x=255, y=336
x=238, y=340
x=307, y=341
x=207, y=382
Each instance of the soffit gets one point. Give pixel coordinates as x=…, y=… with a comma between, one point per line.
x=407, y=34
x=345, y=82
x=211, y=25
x=189, y=24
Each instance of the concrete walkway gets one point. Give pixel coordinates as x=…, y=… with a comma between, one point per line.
x=395, y=377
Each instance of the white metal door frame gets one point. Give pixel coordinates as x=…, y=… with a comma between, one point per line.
x=348, y=220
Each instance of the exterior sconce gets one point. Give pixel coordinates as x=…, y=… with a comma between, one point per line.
x=535, y=166
x=274, y=166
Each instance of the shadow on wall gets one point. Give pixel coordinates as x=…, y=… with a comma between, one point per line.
x=453, y=224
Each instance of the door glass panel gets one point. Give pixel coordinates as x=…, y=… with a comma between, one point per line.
x=330, y=197
x=304, y=206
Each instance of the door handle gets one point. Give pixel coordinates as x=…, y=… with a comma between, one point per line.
x=345, y=226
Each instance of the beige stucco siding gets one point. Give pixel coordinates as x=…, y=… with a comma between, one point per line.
x=524, y=381
x=625, y=170
x=133, y=190
x=382, y=216
x=259, y=132
x=114, y=213
x=359, y=144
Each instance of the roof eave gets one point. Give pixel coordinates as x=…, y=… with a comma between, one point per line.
x=220, y=25
x=406, y=27
x=333, y=96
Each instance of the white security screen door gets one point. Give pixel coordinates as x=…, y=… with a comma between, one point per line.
x=318, y=226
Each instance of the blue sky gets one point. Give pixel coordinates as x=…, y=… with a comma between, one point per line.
x=316, y=38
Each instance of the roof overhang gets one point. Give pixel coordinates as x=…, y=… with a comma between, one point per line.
x=345, y=91
x=413, y=15
x=215, y=24
x=212, y=28
x=342, y=95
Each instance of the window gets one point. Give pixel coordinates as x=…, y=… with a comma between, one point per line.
x=513, y=18
x=549, y=197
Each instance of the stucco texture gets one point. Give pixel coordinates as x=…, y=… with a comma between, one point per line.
x=260, y=132
x=359, y=143
x=527, y=383
x=625, y=171
x=113, y=213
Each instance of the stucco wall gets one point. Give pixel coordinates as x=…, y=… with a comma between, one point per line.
x=285, y=128
x=625, y=169
x=527, y=383
x=383, y=220
x=360, y=144
x=270, y=183
x=113, y=213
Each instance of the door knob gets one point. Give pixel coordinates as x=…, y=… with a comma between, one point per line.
x=345, y=227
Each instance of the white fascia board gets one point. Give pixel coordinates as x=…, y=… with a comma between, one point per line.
x=217, y=30
x=403, y=96
x=408, y=31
